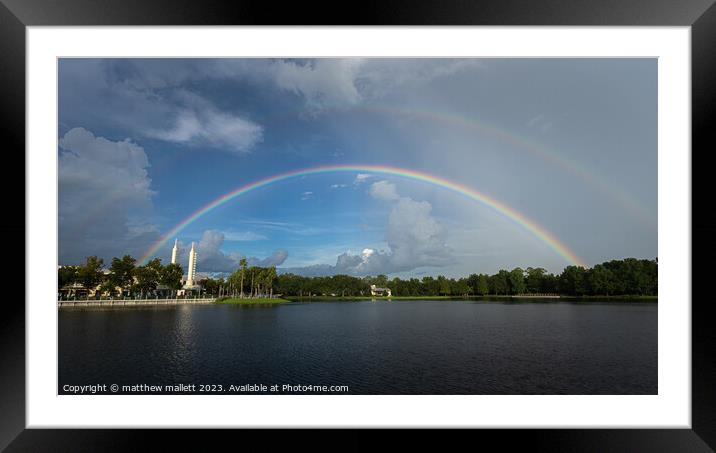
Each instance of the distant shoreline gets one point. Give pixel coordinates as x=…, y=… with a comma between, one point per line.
x=516, y=298
x=250, y=300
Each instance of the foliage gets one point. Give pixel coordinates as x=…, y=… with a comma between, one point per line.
x=66, y=275
x=245, y=301
x=627, y=277
x=618, y=277
x=171, y=275
x=90, y=274
x=146, y=278
x=121, y=272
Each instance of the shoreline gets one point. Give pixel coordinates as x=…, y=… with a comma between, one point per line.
x=250, y=301
x=288, y=299
x=495, y=298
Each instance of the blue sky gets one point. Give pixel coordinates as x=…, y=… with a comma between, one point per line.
x=569, y=143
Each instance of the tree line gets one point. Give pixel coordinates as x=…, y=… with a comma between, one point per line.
x=630, y=276
x=122, y=277
x=246, y=281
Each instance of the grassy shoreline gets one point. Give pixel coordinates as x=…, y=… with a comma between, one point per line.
x=488, y=298
x=284, y=299
x=249, y=301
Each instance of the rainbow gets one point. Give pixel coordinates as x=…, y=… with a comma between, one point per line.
x=531, y=226
x=582, y=174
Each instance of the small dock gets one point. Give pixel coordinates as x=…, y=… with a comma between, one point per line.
x=131, y=302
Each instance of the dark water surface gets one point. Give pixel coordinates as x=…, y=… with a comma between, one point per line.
x=411, y=347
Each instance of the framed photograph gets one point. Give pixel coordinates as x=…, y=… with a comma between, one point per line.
x=399, y=225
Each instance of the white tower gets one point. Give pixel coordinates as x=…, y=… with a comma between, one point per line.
x=174, y=252
x=192, y=266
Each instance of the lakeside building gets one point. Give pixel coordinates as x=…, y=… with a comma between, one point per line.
x=174, y=251
x=375, y=291
x=190, y=287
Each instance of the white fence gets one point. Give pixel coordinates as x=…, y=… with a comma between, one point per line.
x=130, y=302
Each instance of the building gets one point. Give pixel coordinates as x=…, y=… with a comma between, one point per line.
x=174, y=252
x=375, y=291
x=191, y=272
x=190, y=285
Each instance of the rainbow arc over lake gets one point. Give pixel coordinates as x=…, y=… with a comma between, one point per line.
x=538, y=231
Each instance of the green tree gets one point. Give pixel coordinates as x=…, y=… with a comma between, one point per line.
x=500, y=282
x=601, y=280
x=146, y=278
x=210, y=286
x=269, y=279
x=572, y=281
x=517, y=281
x=90, y=274
x=431, y=286
x=66, y=275
x=381, y=281
x=443, y=286
x=122, y=271
x=107, y=288
x=461, y=287
x=171, y=275
x=242, y=263
x=483, y=284
x=550, y=283
x=533, y=281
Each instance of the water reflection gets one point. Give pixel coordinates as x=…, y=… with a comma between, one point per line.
x=413, y=347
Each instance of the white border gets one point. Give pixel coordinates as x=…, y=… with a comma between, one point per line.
x=670, y=408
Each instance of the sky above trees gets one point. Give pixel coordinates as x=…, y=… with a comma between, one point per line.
x=568, y=143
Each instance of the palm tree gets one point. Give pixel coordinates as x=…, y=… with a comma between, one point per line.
x=243, y=264
x=270, y=276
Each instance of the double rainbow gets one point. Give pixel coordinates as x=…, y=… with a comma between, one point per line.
x=531, y=226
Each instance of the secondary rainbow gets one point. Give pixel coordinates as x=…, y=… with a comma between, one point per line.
x=538, y=231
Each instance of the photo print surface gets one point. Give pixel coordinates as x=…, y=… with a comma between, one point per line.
x=357, y=226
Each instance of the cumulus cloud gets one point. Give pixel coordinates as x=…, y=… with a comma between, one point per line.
x=157, y=98
x=147, y=98
x=415, y=239
x=323, y=82
x=276, y=259
x=197, y=121
x=361, y=178
x=210, y=257
x=104, y=197
x=384, y=190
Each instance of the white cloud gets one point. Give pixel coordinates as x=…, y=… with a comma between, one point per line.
x=197, y=121
x=323, y=82
x=338, y=186
x=243, y=236
x=306, y=195
x=385, y=77
x=384, y=190
x=104, y=197
x=210, y=257
x=415, y=239
x=361, y=178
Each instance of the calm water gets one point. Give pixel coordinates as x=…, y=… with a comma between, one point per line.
x=413, y=347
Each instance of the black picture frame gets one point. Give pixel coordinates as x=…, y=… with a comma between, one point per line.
x=16, y=15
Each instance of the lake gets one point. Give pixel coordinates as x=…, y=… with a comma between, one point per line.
x=372, y=347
